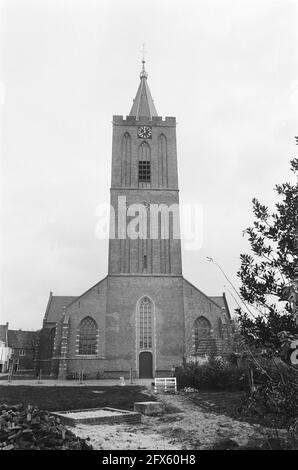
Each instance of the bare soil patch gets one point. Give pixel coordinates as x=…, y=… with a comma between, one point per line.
x=191, y=426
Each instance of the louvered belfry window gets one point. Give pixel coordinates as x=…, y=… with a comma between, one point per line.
x=145, y=172
x=88, y=337
x=144, y=163
x=145, y=324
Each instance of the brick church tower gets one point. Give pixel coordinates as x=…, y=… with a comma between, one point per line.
x=144, y=315
x=145, y=274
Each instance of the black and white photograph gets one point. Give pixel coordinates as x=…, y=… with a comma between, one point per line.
x=149, y=229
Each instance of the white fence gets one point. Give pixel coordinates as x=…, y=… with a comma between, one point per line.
x=167, y=384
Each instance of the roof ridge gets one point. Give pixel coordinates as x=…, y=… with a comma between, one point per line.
x=205, y=295
x=90, y=288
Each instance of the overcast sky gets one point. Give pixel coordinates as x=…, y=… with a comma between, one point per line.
x=226, y=69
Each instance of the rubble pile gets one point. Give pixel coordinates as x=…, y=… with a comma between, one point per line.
x=27, y=427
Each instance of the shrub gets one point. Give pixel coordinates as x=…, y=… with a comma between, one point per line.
x=213, y=375
x=276, y=400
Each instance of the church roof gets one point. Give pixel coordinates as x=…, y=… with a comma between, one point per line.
x=221, y=301
x=55, y=306
x=143, y=105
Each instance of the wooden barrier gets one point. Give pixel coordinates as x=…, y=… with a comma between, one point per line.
x=167, y=384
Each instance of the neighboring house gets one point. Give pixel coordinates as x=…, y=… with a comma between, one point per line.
x=23, y=345
x=5, y=350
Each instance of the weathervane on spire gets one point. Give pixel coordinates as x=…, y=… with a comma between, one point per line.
x=143, y=73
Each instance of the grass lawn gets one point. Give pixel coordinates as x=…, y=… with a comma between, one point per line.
x=72, y=398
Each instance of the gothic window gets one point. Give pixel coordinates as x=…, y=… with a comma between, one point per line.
x=145, y=324
x=144, y=163
x=88, y=337
x=201, y=330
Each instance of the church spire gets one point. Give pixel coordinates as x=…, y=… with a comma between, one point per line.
x=143, y=105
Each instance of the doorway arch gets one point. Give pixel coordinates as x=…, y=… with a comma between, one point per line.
x=145, y=365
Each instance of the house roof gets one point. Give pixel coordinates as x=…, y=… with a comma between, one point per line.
x=143, y=104
x=55, y=306
x=21, y=339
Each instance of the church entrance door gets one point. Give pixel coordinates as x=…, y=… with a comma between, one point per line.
x=145, y=365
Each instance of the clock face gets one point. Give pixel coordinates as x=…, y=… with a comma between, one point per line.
x=145, y=132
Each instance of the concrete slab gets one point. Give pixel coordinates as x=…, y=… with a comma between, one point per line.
x=149, y=408
x=98, y=416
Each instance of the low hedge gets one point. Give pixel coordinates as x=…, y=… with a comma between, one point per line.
x=214, y=375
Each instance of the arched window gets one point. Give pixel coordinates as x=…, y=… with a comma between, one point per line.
x=201, y=330
x=145, y=324
x=88, y=337
x=144, y=163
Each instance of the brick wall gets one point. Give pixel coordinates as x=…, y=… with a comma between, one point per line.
x=197, y=304
x=121, y=337
x=93, y=304
x=113, y=305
